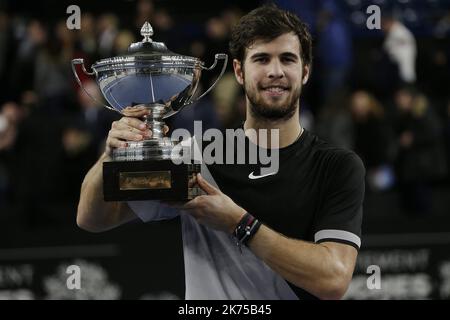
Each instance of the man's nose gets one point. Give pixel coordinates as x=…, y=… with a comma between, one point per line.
x=275, y=70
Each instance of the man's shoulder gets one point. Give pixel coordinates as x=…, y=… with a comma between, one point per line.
x=333, y=155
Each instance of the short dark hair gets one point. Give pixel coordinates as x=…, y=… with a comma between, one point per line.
x=267, y=23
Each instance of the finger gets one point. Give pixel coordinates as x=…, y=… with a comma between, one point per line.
x=125, y=135
x=133, y=122
x=206, y=186
x=137, y=111
x=123, y=126
x=115, y=143
x=192, y=181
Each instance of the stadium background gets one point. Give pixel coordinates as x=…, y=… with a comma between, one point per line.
x=50, y=135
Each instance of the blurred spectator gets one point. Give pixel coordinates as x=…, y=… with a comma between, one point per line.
x=82, y=139
x=11, y=115
x=52, y=77
x=93, y=118
x=27, y=53
x=144, y=12
x=230, y=17
x=88, y=36
x=52, y=154
x=225, y=97
x=442, y=27
x=217, y=37
x=334, y=49
x=334, y=122
x=123, y=40
x=107, y=25
x=421, y=158
x=305, y=9
x=400, y=44
x=38, y=170
x=434, y=69
x=217, y=33
x=372, y=139
x=164, y=29
x=6, y=45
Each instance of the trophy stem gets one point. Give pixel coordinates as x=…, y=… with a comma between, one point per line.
x=155, y=120
x=156, y=126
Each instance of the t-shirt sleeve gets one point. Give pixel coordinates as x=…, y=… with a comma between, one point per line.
x=152, y=210
x=340, y=216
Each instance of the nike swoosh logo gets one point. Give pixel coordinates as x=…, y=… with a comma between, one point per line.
x=253, y=177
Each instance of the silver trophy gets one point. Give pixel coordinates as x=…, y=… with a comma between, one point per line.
x=164, y=82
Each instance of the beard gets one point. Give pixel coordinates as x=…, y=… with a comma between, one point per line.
x=278, y=110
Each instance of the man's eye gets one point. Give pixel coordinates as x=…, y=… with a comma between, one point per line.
x=261, y=60
x=289, y=60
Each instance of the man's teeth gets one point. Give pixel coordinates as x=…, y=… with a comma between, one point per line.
x=275, y=89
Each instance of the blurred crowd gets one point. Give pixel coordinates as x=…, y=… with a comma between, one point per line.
x=385, y=96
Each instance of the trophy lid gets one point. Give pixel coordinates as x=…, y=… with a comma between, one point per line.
x=147, y=46
x=145, y=52
x=149, y=74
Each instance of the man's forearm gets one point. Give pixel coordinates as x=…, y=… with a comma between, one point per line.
x=94, y=214
x=313, y=267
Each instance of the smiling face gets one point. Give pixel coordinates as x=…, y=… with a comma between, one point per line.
x=272, y=75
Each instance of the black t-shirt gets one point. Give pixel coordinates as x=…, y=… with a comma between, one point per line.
x=316, y=195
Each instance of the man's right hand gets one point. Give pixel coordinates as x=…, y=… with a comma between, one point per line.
x=128, y=128
x=131, y=127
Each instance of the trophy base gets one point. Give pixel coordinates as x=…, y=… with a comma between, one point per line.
x=149, y=180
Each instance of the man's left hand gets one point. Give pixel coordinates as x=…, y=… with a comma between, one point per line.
x=215, y=209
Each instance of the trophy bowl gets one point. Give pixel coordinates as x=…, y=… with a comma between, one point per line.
x=153, y=77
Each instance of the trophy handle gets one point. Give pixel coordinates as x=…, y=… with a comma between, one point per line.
x=218, y=56
x=81, y=62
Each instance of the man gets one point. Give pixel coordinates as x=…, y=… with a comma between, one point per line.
x=401, y=47
x=310, y=209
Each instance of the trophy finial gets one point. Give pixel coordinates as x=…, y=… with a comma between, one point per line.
x=147, y=32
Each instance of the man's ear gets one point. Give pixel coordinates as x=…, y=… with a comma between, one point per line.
x=306, y=73
x=238, y=72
